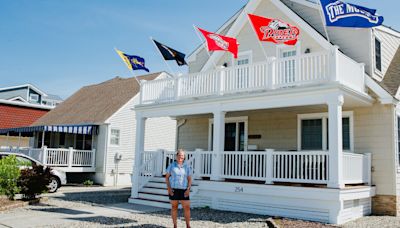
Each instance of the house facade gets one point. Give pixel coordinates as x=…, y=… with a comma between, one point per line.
x=21, y=106
x=91, y=135
x=307, y=131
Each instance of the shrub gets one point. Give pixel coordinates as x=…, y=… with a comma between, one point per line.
x=88, y=183
x=34, y=181
x=9, y=174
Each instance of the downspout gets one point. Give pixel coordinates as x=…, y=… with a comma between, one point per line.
x=179, y=124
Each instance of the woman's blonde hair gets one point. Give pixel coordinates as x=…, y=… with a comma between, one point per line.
x=180, y=151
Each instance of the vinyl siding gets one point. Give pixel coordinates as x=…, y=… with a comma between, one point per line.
x=389, y=46
x=8, y=94
x=160, y=134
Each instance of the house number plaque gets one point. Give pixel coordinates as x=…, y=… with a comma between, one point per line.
x=238, y=189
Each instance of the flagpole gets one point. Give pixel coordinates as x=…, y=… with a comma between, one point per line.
x=323, y=21
x=198, y=35
x=132, y=71
x=165, y=61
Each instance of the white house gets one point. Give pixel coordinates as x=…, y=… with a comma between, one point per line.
x=91, y=135
x=309, y=132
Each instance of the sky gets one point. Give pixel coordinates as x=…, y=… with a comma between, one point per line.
x=60, y=46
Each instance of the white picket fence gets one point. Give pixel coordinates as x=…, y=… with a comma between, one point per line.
x=270, y=166
x=312, y=68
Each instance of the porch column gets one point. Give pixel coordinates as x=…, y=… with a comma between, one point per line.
x=139, y=148
x=335, y=142
x=218, y=145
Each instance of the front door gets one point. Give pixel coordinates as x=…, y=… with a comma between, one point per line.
x=235, y=136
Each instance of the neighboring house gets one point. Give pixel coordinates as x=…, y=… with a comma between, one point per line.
x=311, y=132
x=29, y=94
x=91, y=135
x=21, y=106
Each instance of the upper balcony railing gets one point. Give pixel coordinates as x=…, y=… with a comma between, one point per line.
x=275, y=73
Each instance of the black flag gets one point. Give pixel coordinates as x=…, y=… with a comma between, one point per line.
x=171, y=54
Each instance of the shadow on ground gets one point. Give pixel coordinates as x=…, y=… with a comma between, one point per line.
x=97, y=197
x=105, y=220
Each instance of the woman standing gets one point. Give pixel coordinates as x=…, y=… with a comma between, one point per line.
x=179, y=181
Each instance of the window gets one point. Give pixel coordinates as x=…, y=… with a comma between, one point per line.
x=33, y=97
x=235, y=134
x=378, y=59
x=114, y=137
x=398, y=140
x=314, y=131
x=289, y=66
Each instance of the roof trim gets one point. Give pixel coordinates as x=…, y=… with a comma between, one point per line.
x=250, y=8
x=25, y=85
x=388, y=30
x=384, y=96
x=20, y=98
x=17, y=103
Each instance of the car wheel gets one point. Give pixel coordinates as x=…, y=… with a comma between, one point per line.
x=54, y=184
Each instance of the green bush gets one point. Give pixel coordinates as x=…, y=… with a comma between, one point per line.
x=9, y=174
x=88, y=183
x=34, y=181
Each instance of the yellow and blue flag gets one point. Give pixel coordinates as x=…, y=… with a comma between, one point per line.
x=133, y=62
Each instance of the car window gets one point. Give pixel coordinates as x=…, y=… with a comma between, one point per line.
x=24, y=162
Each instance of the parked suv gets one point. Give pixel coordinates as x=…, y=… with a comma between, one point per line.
x=57, y=178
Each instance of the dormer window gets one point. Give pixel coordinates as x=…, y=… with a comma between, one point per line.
x=378, y=59
x=34, y=97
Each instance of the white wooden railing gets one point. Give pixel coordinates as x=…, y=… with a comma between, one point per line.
x=59, y=157
x=270, y=166
x=301, y=167
x=312, y=68
x=149, y=166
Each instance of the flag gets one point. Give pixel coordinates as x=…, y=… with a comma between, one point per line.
x=171, y=54
x=132, y=61
x=216, y=42
x=338, y=13
x=274, y=30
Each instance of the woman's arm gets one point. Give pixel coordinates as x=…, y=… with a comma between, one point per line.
x=187, y=192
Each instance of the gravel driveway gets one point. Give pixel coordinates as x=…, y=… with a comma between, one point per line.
x=107, y=207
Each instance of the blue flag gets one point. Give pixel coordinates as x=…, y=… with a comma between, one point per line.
x=341, y=14
x=132, y=61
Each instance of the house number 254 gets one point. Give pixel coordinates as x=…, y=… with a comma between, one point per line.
x=238, y=189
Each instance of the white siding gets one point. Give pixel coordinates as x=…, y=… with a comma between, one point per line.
x=160, y=134
x=389, y=46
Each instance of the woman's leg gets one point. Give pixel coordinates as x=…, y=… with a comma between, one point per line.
x=174, y=212
x=186, y=209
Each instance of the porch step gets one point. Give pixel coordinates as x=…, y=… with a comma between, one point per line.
x=155, y=194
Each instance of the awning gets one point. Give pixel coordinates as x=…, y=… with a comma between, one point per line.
x=73, y=129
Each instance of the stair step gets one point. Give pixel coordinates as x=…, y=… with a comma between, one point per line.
x=162, y=198
x=158, y=179
x=156, y=185
x=148, y=202
x=159, y=191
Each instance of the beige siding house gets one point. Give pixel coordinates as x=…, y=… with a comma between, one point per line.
x=307, y=131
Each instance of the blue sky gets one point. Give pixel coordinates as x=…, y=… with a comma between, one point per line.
x=61, y=46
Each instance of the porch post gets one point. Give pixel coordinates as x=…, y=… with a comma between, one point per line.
x=43, y=139
x=218, y=145
x=335, y=142
x=139, y=148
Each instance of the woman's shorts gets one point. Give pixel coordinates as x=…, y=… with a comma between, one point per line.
x=179, y=194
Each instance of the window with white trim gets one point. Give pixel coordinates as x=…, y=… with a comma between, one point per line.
x=378, y=52
x=34, y=97
x=314, y=130
x=114, y=137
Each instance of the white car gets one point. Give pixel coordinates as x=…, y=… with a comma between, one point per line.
x=57, y=177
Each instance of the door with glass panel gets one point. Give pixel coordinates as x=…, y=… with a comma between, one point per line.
x=288, y=65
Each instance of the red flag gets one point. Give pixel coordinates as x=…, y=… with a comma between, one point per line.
x=216, y=42
x=274, y=30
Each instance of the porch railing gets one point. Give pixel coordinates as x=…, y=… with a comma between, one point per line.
x=59, y=157
x=274, y=73
x=275, y=166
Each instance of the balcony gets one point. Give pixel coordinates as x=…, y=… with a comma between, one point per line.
x=273, y=74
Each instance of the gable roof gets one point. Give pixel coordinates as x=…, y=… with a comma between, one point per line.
x=94, y=104
x=391, y=80
x=25, y=85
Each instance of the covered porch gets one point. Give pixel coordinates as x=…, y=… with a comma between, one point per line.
x=67, y=147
